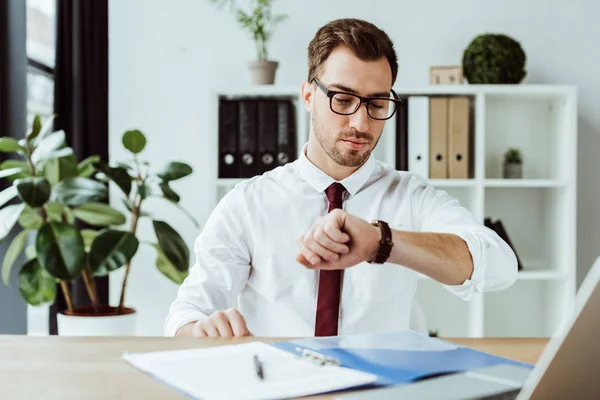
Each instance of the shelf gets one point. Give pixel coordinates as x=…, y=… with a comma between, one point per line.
x=523, y=183
x=440, y=183
x=261, y=90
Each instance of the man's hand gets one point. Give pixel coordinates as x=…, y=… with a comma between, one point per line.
x=338, y=240
x=227, y=323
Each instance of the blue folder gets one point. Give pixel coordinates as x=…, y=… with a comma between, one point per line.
x=394, y=357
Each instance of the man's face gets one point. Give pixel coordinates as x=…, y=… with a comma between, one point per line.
x=349, y=139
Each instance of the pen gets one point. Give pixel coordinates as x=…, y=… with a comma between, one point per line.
x=258, y=367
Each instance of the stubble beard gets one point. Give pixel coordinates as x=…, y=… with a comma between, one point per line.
x=350, y=158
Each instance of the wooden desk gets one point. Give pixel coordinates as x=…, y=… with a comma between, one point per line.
x=92, y=368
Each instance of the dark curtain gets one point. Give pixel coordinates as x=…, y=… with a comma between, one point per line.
x=13, y=86
x=81, y=99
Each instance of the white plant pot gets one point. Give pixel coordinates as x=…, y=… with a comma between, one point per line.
x=263, y=72
x=107, y=323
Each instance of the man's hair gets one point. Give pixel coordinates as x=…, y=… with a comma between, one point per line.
x=365, y=40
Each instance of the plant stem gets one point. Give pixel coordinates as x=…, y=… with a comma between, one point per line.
x=135, y=213
x=90, y=285
x=65, y=290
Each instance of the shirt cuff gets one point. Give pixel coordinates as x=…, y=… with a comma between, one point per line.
x=175, y=323
x=475, y=283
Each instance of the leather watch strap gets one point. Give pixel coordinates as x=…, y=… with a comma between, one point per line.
x=385, y=244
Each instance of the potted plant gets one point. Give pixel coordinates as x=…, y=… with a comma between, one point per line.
x=73, y=233
x=260, y=22
x=494, y=58
x=513, y=163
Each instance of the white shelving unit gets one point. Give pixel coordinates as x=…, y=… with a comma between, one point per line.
x=538, y=211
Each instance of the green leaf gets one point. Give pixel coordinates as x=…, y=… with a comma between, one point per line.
x=8, y=164
x=186, y=212
x=60, y=169
x=34, y=191
x=11, y=164
x=30, y=252
x=8, y=218
x=58, y=212
x=167, y=268
x=60, y=153
x=10, y=145
x=15, y=248
x=7, y=195
x=125, y=166
x=111, y=250
x=88, y=238
x=36, y=285
x=36, y=127
x=86, y=168
x=76, y=191
x=174, y=170
x=99, y=214
x=60, y=250
x=144, y=191
x=45, y=129
x=168, y=192
x=30, y=219
x=172, y=245
x=51, y=143
x=134, y=141
x=118, y=175
x=5, y=173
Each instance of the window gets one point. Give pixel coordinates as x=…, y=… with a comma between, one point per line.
x=41, y=45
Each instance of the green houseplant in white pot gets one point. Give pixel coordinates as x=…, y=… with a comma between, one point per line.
x=513, y=164
x=260, y=22
x=68, y=230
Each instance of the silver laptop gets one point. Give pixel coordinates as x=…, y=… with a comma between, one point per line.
x=569, y=366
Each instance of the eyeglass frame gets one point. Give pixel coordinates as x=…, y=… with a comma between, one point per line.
x=366, y=100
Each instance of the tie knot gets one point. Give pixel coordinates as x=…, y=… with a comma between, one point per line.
x=335, y=193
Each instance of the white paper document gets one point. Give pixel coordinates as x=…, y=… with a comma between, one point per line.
x=228, y=372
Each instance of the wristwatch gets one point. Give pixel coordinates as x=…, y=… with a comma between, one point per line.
x=385, y=244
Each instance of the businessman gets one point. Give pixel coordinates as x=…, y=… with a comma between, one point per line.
x=332, y=243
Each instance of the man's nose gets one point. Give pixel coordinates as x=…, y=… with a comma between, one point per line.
x=360, y=120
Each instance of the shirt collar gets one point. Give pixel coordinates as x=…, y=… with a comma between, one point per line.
x=320, y=181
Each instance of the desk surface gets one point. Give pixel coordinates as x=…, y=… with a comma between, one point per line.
x=92, y=368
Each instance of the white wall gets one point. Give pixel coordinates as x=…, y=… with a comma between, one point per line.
x=166, y=55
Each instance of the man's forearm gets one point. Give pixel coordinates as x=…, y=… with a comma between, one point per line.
x=441, y=256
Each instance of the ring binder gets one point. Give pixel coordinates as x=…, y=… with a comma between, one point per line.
x=316, y=358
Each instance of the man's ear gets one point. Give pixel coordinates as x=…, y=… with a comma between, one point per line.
x=307, y=95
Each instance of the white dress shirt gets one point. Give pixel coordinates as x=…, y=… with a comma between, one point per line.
x=246, y=253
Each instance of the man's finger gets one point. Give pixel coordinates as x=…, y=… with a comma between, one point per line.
x=308, y=254
x=237, y=322
x=332, y=229
x=199, y=331
x=311, y=244
x=209, y=329
x=324, y=239
x=222, y=324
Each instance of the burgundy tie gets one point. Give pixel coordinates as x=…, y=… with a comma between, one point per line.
x=330, y=282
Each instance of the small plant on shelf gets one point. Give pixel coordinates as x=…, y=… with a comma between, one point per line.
x=513, y=164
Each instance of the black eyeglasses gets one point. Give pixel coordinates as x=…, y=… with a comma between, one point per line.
x=343, y=103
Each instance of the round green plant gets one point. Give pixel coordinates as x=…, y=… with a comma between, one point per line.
x=494, y=58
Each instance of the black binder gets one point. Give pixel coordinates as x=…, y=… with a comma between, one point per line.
x=248, y=146
x=228, y=138
x=402, y=135
x=286, y=132
x=267, y=135
x=498, y=227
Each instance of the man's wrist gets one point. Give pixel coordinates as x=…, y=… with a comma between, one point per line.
x=374, y=242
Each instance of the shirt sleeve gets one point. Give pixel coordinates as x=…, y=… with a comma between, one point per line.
x=220, y=272
x=494, y=262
